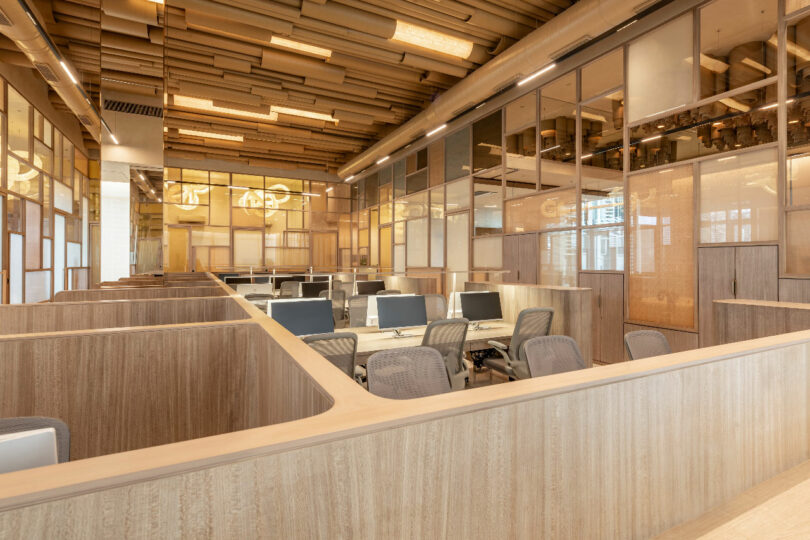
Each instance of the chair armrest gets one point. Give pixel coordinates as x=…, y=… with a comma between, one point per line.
x=498, y=345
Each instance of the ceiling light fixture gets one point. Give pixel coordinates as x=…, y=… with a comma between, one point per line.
x=208, y=106
x=549, y=149
x=305, y=194
x=631, y=23
x=114, y=138
x=304, y=114
x=382, y=160
x=329, y=189
x=430, y=39
x=537, y=74
x=279, y=41
x=727, y=158
x=666, y=171
x=141, y=177
x=211, y=135
x=435, y=131
x=69, y=73
x=349, y=179
x=653, y=138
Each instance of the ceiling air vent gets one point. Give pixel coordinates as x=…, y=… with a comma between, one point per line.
x=46, y=72
x=84, y=119
x=4, y=19
x=133, y=108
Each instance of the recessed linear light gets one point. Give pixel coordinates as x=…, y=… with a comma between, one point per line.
x=211, y=135
x=727, y=158
x=208, y=105
x=430, y=39
x=141, y=177
x=349, y=179
x=115, y=140
x=302, y=113
x=69, y=73
x=793, y=122
x=549, y=149
x=160, y=200
x=305, y=194
x=537, y=74
x=383, y=160
x=587, y=156
x=279, y=41
x=665, y=171
x=157, y=2
x=152, y=191
x=653, y=138
x=631, y=23
x=329, y=189
x=436, y=130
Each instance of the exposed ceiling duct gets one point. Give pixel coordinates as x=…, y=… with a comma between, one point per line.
x=28, y=34
x=570, y=29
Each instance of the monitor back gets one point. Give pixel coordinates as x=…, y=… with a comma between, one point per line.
x=304, y=317
x=401, y=311
x=481, y=306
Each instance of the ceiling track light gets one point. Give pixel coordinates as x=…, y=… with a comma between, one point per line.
x=349, y=179
x=69, y=73
x=382, y=160
x=436, y=130
x=537, y=74
x=653, y=138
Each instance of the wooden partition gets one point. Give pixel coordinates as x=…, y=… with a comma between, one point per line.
x=413, y=285
x=739, y=320
x=62, y=316
x=138, y=293
x=572, y=308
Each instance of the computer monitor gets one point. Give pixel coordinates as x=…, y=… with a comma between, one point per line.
x=320, y=278
x=481, y=306
x=311, y=289
x=238, y=280
x=395, y=312
x=370, y=287
x=27, y=449
x=304, y=317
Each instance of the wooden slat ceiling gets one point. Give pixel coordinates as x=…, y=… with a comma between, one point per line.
x=228, y=54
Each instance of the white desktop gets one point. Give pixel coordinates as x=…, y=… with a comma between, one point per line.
x=27, y=449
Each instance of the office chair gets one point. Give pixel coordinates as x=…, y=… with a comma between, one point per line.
x=338, y=305
x=388, y=291
x=532, y=322
x=251, y=297
x=645, y=343
x=289, y=289
x=547, y=355
x=447, y=337
x=358, y=311
x=407, y=373
x=29, y=423
x=436, y=306
x=340, y=348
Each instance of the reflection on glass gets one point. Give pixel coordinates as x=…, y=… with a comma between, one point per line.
x=18, y=124
x=558, y=120
x=488, y=207
x=487, y=144
x=603, y=74
x=437, y=227
x=602, y=132
x=603, y=249
x=736, y=50
x=521, y=113
x=797, y=256
x=413, y=206
x=521, y=163
x=741, y=121
x=798, y=180
x=554, y=210
x=738, y=198
x=798, y=80
x=602, y=196
x=399, y=178
x=417, y=181
x=558, y=258
x=23, y=179
x=457, y=155
x=458, y=195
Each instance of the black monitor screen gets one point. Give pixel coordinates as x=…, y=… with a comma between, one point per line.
x=312, y=289
x=299, y=278
x=238, y=280
x=481, y=306
x=320, y=278
x=304, y=317
x=401, y=311
x=370, y=287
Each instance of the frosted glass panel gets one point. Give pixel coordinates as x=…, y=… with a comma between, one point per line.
x=437, y=228
x=85, y=232
x=74, y=255
x=15, y=267
x=37, y=286
x=62, y=197
x=738, y=198
x=2, y=228
x=59, y=254
x=247, y=248
x=558, y=258
x=458, y=195
x=659, y=69
x=458, y=249
x=797, y=254
x=46, y=253
x=798, y=181
x=487, y=252
x=660, y=247
x=417, y=242
x=603, y=249
x=399, y=258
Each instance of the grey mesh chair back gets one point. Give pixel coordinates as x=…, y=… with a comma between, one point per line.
x=289, y=289
x=358, y=311
x=407, y=373
x=547, y=355
x=29, y=423
x=340, y=348
x=447, y=337
x=531, y=322
x=436, y=306
x=388, y=291
x=252, y=297
x=645, y=343
x=338, y=304
x=348, y=288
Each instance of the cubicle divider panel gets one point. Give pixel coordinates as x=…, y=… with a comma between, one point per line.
x=120, y=390
x=65, y=316
x=94, y=295
x=573, y=310
x=740, y=320
x=413, y=284
x=622, y=451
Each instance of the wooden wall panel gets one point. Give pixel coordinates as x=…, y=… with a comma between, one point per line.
x=415, y=285
x=137, y=293
x=573, y=310
x=794, y=290
x=716, y=272
x=740, y=320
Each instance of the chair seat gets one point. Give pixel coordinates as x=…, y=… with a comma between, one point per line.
x=497, y=363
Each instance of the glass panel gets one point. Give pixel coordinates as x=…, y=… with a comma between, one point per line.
x=42, y=157
x=59, y=254
x=521, y=162
x=735, y=50
x=374, y=248
x=37, y=286
x=399, y=178
x=488, y=252
x=85, y=232
x=659, y=69
x=521, y=113
x=558, y=258
x=417, y=181
x=46, y=253
x=741, y=121
x=24, y=180
x=798, y=180
x=248, y=180
x=602, y=196
x=399, y=232
x=399, y=258
x=457, y=155
x=175, y=214
x=544, y=211
x=245, y=217
x=46, y=206
x=15, y=268
x=602, y=140
x=33, y=224
x=414, y=206
x=210, y=236
x=458, y=195
x=247, y=248
x=738, y=198
x=603, y=249
x=798, y=82
x=458, y=250
x=603, y=74
x=488, y=208
x=14, y=208
x=62, y=197
x=487, y=143
x=661, y=282
x=191, y=175
x=417, y=243
x=558, y=132
x=437, y=228
x=219, y=197
x=74, y=255
x=19, y=112
x=797, y=256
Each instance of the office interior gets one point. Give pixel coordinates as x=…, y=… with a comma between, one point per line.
x=432, y=269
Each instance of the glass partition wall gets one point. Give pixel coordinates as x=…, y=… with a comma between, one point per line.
x=628, y=164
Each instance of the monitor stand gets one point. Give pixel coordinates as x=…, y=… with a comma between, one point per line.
x=476, y=326
x=398, y=334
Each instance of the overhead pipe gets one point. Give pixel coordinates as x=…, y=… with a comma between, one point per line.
x=30, y=37
x=581, y=22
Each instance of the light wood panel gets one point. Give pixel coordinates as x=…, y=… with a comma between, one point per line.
x=794, y=290
x=716, y=272
x=608, y=315
x=413, y=285
x=739, y=320
x=64, y=316
x=757, y=272
x=679, y=341
x=573, y=309
x=137, y=293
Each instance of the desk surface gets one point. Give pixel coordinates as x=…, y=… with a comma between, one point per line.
x=371, y=340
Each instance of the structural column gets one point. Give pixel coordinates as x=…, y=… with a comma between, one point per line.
x=115, y=220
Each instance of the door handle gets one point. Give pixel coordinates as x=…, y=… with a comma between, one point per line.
x=734, y=288
x=599, y=300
